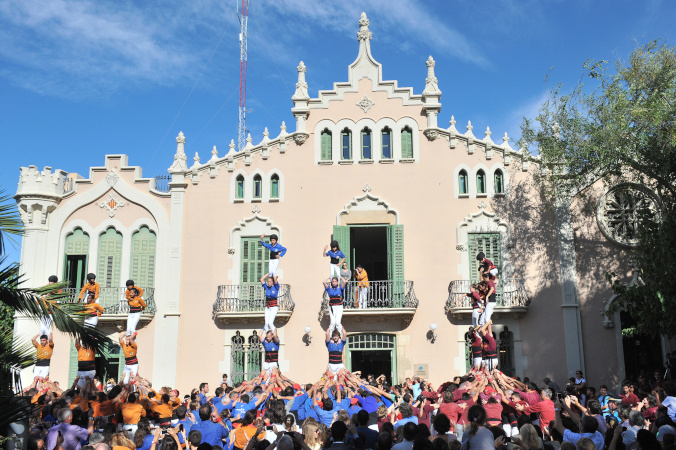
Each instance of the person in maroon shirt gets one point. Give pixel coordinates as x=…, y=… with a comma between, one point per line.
x=478, y=304
x=425, y=408
x=450, y=409
x=489, y=349
x=628, y=397
x=544, y=408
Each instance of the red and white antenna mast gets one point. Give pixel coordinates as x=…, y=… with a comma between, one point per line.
x=243, y=20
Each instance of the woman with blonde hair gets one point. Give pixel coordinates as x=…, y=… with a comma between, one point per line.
x=529, y=438
x=121, y=440
x=311, y=434
x=324, y=435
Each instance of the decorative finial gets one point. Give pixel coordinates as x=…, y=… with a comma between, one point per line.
x=232, y=146
x=180, y=160
x=482, y=204
x=505, y=139
x=301, y=86
x=214, y=153
x=431, y=82
x=266, y=133
x=256, y=209
x=469, y=126
x=283, y=127
x=364, y=34
x=180, y=139
x=488, y=132
x=196, y=158
x=366, y=188
x=453, y=122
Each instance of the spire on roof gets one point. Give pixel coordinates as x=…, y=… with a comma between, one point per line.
x=364, y=34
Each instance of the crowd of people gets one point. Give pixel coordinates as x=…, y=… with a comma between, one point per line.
x=481, y=410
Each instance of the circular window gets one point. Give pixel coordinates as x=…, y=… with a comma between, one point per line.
x=621, y=210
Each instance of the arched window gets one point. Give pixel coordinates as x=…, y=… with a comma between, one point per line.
x=346, y=144
x=462, y=182
x=109, y=266
x=499, y=182
x=257, y=186
x=75, y=268
x=366, y=144
x=386, y=139
x=274, y=186
x=239, y=186
x=406, y=143
x=480, y=182
x=326, y=142
x=143, y=244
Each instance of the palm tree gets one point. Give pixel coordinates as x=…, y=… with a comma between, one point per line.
x=17, y=352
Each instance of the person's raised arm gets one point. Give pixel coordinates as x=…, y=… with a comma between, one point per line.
x=617, y=435
x=573, y=415
x=261, y=337
x=263, y=278
x=326, y=247
x=35, y=339
x=328, y=334
x=275, y=338
x=344, y=334
x=558, y=424
x=343, y=282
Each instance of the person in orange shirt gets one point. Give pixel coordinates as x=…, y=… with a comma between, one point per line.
x=90, y=286
x=136, y=305
x=45, y=348
x=92, y=311
x=132, y=412
x=129, y=347
x=164, y=410
x=47, y=322
x=132, y=284
x=363, y=286
x=86, y=365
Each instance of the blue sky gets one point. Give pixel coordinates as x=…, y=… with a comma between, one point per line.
x=80, y=79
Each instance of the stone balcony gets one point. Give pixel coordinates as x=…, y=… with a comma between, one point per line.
x=384, y=300
x=512, y=299
x=115, y=305
x=245, y=303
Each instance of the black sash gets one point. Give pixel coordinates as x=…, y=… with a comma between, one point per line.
x=271, y=356
x=336, y=357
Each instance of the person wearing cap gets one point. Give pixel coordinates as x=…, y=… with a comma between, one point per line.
x=90, y=286
x=271, y=345
x=276, y=253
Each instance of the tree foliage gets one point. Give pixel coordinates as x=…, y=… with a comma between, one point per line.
x=620, y=127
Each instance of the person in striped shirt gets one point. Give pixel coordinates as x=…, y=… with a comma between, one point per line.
x=92, y=311
x=136, y=305
x=45, y=348
x=271, y=345
x=130, y=350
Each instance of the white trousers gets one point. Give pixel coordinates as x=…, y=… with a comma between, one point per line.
x=477, y=362
x=488, y=312
x=476, y=316
x=334, y=270
x=491, y=363
x=335, y=368
x=273, y=265
x=130, y=370
x=268, y=366
x=270, y=314
x=46, y=326
x=363, y=295
x=41, y=371
x=132, y=321
x=493, y=271
x=92, y=321
x=335, y=316
x=83, y=374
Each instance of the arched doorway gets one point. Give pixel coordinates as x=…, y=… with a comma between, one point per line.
x=374, y=354
x=641, y=353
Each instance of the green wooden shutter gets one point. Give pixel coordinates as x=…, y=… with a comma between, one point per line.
x=326, y=146
x=395, y=263
x=110, y=261
x=489, y=243
x=406, y=143
x=77, y=243
x=72, y=364
x=143, y=245
x=254, y=264
x=342, y=235
x=113, y=361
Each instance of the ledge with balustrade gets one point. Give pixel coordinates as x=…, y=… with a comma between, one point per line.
x=385, y=299
x=244, y=303
x=115, y=306
x=512, y=299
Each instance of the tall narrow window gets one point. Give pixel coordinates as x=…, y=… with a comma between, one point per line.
x=366, y=144
x=386, y=139
x=257, y=186
x=239, y=187
x=346, y=144
x=143, y=244
x=406, y=143
x=499, y=182
x=109, y=266
x=274, y=186
x=462, y=182
x=327, y=144
x=480, y=182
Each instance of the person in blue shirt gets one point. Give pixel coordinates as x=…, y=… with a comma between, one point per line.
x=271, y=345
x=337, y=258
x=335, y=346
x=213, y=431
x=245, y=404
x=335, y=292
x=204, y=388
x=276, y=252
x=328, y=409
x=271, y=288
x=406, y=416
x=181, y=413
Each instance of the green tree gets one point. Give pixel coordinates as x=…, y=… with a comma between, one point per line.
x=621, y=128
x=17, y=352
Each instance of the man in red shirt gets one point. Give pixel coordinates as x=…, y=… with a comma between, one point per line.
x=544, y=408
x=628, y=398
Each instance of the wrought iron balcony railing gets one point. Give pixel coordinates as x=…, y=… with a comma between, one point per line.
x=512, y=297
x=114, y=301
x=247, y=301
x=394, y=296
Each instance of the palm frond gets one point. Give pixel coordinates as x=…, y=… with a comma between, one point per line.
x=41, y=302
x=10, y=221
x=15, y=352
x=13, y=408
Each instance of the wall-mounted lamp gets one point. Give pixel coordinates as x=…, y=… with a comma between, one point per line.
x=432, y=334
x=306, y=337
